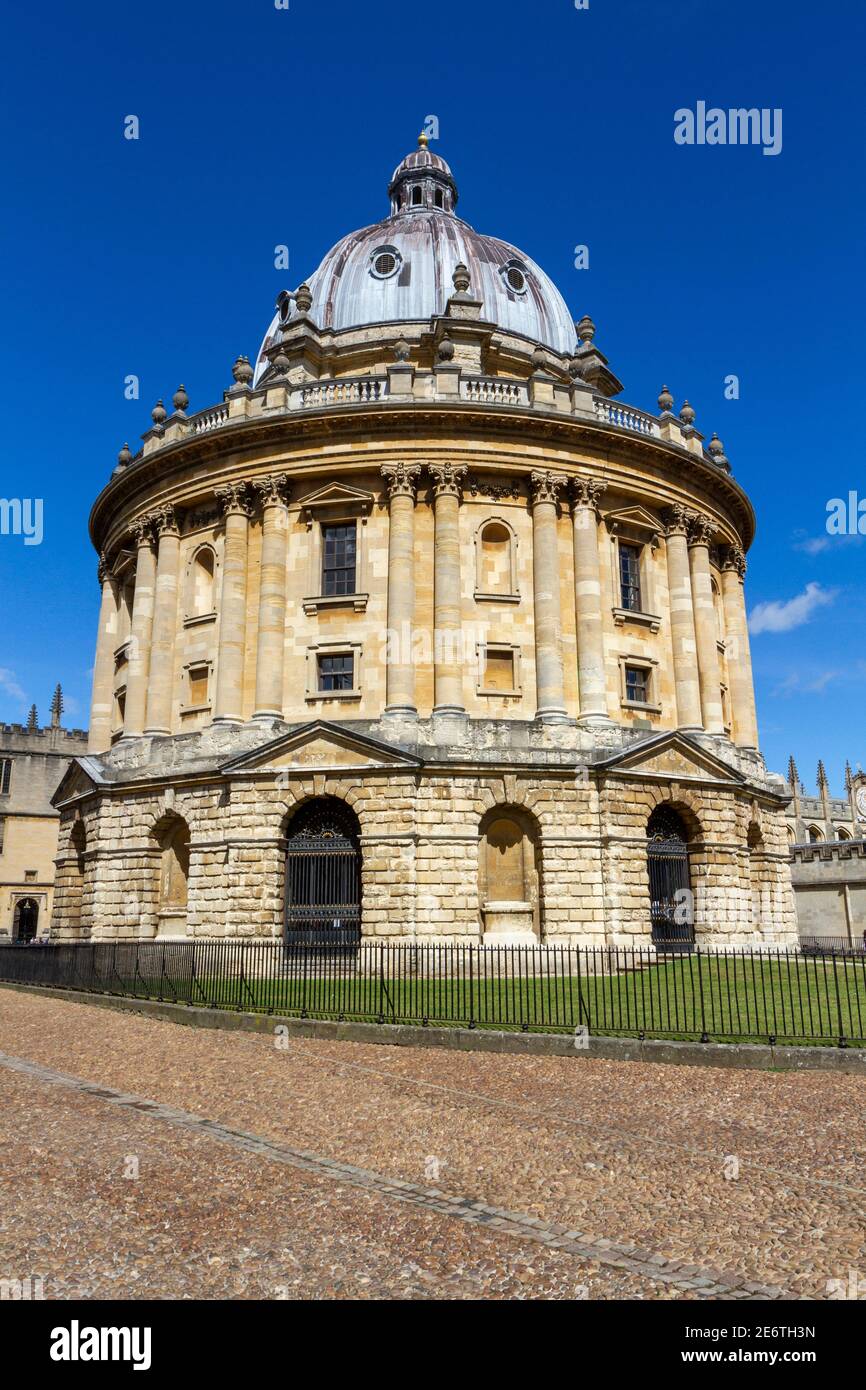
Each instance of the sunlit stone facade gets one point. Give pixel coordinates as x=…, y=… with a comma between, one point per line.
x=420, y=564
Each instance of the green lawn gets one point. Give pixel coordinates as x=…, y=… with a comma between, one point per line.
x=732, y=998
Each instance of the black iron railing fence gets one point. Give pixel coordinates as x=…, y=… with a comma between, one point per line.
x=721, y=995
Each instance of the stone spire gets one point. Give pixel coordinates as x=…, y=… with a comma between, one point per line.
x=56, y=706
x=793, y=774
x=822, y=776
x=32, y=718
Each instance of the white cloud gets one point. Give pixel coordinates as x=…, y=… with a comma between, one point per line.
x=9, y=685
x=782, y=615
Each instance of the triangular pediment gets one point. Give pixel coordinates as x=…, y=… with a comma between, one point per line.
x=321, y=747
x=335, y=495
x=82, y=777
x=672, y=757
x=636, y=519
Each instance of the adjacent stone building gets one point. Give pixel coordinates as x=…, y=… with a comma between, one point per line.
x=32, y=763
x=420, y=633
x=827, y=837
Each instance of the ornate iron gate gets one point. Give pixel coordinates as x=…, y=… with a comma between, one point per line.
x=323, y=876
x=670, y=887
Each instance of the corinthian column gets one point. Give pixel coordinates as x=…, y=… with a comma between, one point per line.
x=548, y=619
x=683, y=640
x=706, y=628
x=99, y=734
x=272, y=597
x=400, y=480
x=229, y=707
x=447, y=624
x=159, y=681
x=738, y=652
x=585, y=494
x=140, y=628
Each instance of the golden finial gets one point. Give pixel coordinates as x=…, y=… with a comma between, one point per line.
x=423, y=140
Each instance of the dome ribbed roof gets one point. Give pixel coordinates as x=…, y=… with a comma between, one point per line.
x=400, y=270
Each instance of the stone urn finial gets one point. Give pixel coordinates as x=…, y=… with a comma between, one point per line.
x=158, y=415
x=717, y=452
x=461, y=279
x=585, y=329
x=445, y=351
x=687, y=414
x=281, y=363
x=539, y=360
x=304, y=298
x=575, y=368
x=402, y=350
x=124, y=458
x=242, y=371
x=180, y=400
x=666, y=400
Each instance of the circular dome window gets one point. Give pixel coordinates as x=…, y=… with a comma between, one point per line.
x=514, y=277
x=385, y=262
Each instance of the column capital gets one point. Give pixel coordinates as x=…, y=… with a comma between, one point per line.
x=701, y=528
x=234, y=499
x=140, y=530
x=165, y=521
x=587, y=492
x=733, y=558
x=545, y=486
x=676, y=520
x=447, y=479
x=401, y=479
x=273, y=489
x=103, y=569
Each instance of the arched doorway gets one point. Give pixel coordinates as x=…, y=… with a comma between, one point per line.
x=323, y=875
x=26, y=919
x=671, y=903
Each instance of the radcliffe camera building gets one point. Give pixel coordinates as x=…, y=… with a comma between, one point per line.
x=421, y=633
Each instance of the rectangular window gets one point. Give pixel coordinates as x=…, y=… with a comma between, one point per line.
x=5, y=775
x=337, y=671
x=637, y=685
x=499, y=669
x=198, y=685
x=339, y=545
x=629, y=577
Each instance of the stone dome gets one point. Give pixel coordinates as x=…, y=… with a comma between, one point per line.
x=400, y=269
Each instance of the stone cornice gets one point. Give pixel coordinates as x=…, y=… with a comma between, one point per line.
x=398, y=423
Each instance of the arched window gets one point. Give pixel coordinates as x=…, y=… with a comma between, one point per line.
x=439, y=198
x=719, y=611
x=842, y=834
x=508, y=875
x=417, y=196
x=816, y=836
x=200, y=594
x=671, y=898
x=495, y=561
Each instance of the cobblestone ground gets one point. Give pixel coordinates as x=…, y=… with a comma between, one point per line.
x=345, y=1170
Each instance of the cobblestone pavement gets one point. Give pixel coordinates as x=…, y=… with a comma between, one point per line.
x=304, y=1168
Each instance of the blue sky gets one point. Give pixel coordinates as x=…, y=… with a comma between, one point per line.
x=262, y=126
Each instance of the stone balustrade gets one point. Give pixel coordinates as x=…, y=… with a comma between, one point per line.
x=279, y=398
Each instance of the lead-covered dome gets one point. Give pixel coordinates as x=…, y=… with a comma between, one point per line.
x=400, y=269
